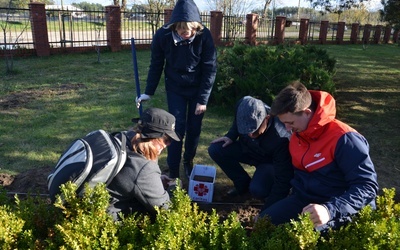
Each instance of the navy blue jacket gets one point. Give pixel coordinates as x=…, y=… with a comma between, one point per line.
x=271, y=147
x=189, y=67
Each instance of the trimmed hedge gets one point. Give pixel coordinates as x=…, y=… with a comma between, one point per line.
x=83, y=223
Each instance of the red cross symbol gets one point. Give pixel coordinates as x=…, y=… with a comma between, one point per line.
x=201, y=189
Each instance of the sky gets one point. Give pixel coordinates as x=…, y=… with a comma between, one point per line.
x=202, y=4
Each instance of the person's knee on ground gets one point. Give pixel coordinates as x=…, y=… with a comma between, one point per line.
x=257, y=192
x=262, y=181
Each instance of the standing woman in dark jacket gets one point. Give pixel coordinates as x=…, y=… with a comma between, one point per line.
x=139, y=186
x=184, y=48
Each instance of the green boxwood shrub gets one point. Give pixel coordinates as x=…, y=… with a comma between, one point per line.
x=262, y=71
x=82, y=223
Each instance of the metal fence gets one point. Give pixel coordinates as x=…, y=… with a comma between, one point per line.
x=265, y=29
x=76, y=28
x=79, y=28
x=140, y=25
x=86, y=28
x=233, y=28
x=16, y=31
x=143, y=25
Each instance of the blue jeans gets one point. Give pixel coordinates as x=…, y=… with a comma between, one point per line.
x=229, y=159
x=285, y=210
x=187, y=123
x=291, y=207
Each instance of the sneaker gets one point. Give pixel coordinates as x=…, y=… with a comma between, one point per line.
x=188, y=167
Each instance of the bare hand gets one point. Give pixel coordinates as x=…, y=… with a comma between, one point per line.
x=200, y=109
x=227, y=141
x=174, y=182
x=319, y=214
x=165, y=180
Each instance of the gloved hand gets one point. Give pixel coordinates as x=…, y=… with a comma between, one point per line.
x=143, y=97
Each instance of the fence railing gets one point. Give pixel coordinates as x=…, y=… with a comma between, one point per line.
x=16, y=31
x=76, y=28
x=81, y=29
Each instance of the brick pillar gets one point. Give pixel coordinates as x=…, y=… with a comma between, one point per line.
x=113, y=19
x=340, y=32
x=216, y=26
x=280, y=29
x=377, y=34
x=367, y=32
x=251, y=28
x=167, y=15
x=386, y=36
x=39, y=29
x=354, y=33
x=303, y=33
x=323, y=31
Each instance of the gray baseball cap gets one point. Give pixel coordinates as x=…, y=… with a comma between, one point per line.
x=250, y=113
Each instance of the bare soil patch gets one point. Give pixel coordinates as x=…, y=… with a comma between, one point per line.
x=20, y=99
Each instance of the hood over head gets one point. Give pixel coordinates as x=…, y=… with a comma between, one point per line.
x=184, y=11
x=324, y=113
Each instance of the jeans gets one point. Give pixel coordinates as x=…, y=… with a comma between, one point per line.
x=285, y=210
x=291, y=207
x=229, y=159
x=187, y=123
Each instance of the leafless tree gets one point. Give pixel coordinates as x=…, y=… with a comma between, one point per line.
x=10, y=43
x=266, y=6
x=232, y=7
x=122, y=5
x=234, y=12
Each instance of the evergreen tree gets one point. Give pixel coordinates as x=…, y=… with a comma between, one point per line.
x=391, y=12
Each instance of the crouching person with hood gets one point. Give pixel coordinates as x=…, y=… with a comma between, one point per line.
x=139, y=186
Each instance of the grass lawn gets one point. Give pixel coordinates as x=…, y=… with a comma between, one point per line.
x=50, y=101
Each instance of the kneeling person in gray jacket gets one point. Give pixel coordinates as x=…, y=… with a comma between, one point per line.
x=139, y=186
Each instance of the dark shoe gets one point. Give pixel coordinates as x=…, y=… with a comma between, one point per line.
x=233, y=192
x=188, y=167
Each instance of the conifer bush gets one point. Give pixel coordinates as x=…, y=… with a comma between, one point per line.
x=262, y=71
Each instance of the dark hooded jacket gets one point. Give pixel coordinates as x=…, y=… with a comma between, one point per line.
x=189, y=65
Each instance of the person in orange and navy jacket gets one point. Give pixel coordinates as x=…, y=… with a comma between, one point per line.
x=334, y=175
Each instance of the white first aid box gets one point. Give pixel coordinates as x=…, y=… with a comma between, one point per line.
x=201, y=183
